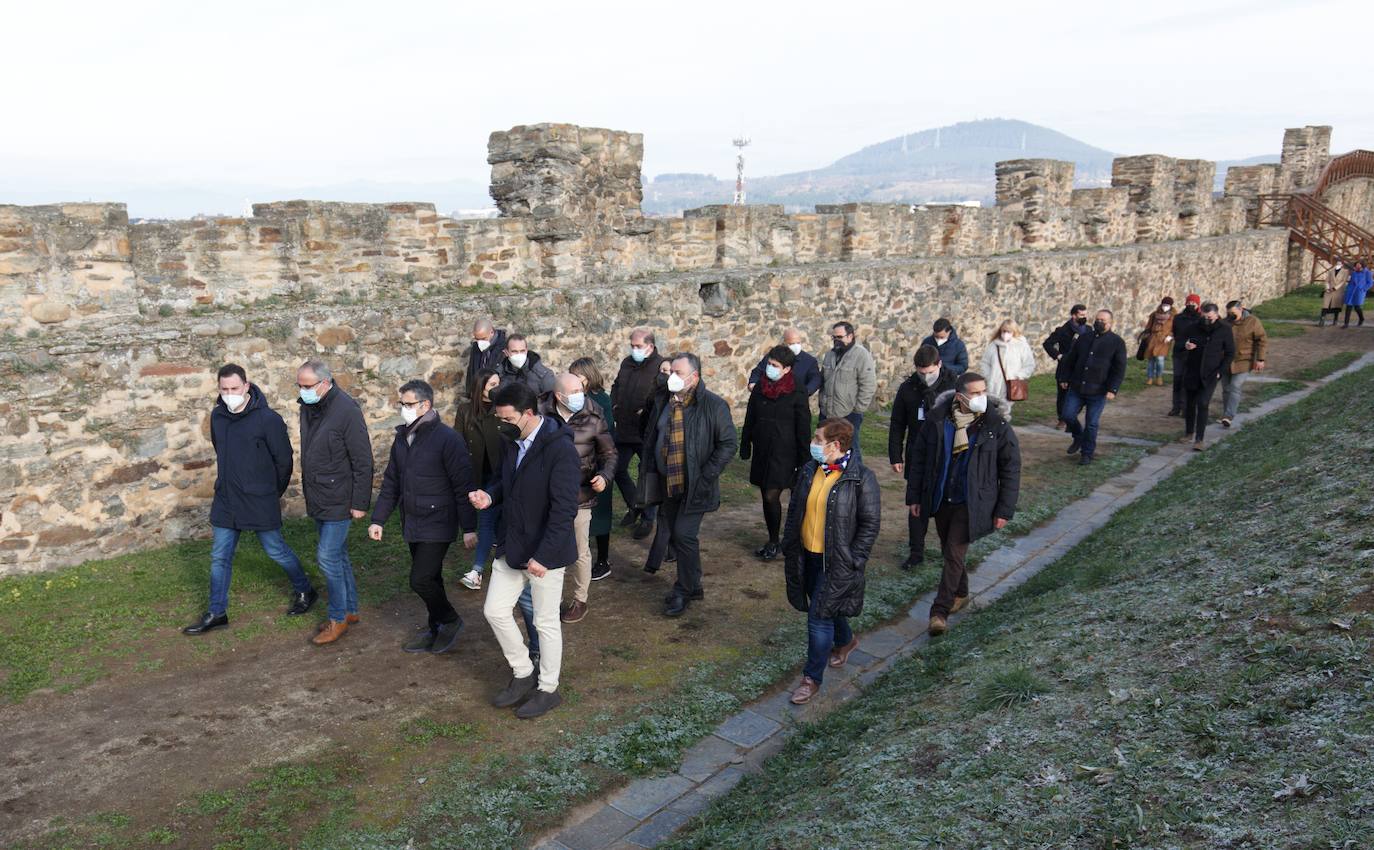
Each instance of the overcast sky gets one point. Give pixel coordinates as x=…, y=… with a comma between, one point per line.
x=304, y=93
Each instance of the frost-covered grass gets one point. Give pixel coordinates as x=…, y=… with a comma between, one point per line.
x=1200, y=673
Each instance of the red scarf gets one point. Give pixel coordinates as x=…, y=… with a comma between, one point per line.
x=780, y=387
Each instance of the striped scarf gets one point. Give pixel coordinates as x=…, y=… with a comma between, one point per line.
x=675, y=447
x=961, y=422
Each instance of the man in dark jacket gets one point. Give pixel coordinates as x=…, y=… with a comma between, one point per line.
x=1058, y=344
x=1211, y=348
x=966, y=473
x=689, y=440
x=910, y=411
x=253, y=467
x=485, y=352
x=953, y=352
x=806, y=370
x=567, y=405
x=1185, y=324
x=1094, y=369
x=538, y=487
x=520, y=365
x=832, y=522
x=336, y=479
x=428, y=477
x=631, y=395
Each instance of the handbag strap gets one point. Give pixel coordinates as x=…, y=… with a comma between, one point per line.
x=1005, y=379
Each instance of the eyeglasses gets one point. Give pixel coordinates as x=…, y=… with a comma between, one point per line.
x=299, y=385
x=411, y=403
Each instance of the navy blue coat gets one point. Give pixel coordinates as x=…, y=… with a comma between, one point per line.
x=1096, y=365
x=252, y=465
x=805, y=371
x=953, y=353
x=540, y=500
x=429, y=480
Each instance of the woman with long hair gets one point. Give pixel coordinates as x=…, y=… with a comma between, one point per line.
x=594, y=385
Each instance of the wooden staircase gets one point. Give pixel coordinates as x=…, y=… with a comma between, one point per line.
x=1321, y=231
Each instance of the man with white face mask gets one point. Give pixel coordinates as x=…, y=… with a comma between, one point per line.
x=966, y=473
x=428, y=476
x=806, y=370
x=488, y=345
x=910, y=413
x=520, y=365
x=254, y=459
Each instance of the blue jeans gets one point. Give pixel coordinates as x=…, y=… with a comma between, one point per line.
x=1154, y=368
x=487, y=521
x=332, y=556
x=821, y=634
x=1087, y=432
x=527, y=612
x=222, y=564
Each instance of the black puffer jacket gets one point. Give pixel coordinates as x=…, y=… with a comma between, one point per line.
x=429, y=480
x=592, y=439
x=711, y=442
x=253, y=462
x=853, y=513
x=336, y=457
x=914, y=400
x=994, y=468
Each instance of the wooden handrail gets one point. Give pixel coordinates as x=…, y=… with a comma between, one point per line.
x=1357, y=163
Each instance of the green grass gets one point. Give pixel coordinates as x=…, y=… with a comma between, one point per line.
x=1257, y=394
x=1284, y=330
x=1197, y=674
x=1326, y=366
x=1305, y=302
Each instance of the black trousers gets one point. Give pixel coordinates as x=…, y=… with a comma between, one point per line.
x=624, y=453
x=427, y=580
x=1195, y=404
x=1059, y=393
x=916, y=527
x=1358, y=310
x=684, y=528
x=1180, y=360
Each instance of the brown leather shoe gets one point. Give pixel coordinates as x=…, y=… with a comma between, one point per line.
x=353, y=619
x=574, y=612
x=332, y=631
x=805, y=691
x=840, y=655
x=959, y=603
x=938, y=625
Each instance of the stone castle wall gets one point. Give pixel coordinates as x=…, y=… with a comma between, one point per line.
x=112, y=331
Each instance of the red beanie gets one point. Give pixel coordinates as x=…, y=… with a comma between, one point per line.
x=1194, y=298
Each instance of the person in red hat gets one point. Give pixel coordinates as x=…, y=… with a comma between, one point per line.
x=1185, y=324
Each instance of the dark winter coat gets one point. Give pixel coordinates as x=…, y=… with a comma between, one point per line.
x=953, y=353
x=853, y=512
x=534, y=374
x=592, y=439
x=336, y=457
x=429, y=479
x=777, y=435
x=479, y=360
x=710, y=444
x=482, y=438
x=994, y=467
x=601, y=511
x=910, y=409
x=806, y=371
x=1058, y=344
x=1096, y=365
x=1216, y=348
x=1185, y=324
x=252, y=465
x=539, y=500
x=632, y=393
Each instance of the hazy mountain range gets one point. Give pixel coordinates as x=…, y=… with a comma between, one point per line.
x=944, y=164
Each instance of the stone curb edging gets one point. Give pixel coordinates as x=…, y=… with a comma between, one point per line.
x=648, y=811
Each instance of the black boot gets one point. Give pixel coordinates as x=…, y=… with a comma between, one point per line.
x=517, y=690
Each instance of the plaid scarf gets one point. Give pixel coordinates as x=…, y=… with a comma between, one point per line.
x=675, y=447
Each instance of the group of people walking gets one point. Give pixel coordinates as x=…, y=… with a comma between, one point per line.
x=527, y=471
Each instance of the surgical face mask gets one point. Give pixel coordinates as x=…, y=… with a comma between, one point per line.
x=1100, y=326
x=818, y=453
x=639, y=355
x=977, y=404
x=1006, y=336
x=796, y=347
x=518, y=360
x=482, y=344
x=1164, y=308
x=575, y=401
x=409, y=413
x=508, y=430
x=941, y=340
x=233, y=402
x=675, y=383
x=929, y=378
x=310, y=395
x=773, y=372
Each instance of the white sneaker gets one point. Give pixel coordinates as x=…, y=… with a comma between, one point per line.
x=473, y=580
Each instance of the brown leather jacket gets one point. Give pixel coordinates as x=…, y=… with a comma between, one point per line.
x=595, y=446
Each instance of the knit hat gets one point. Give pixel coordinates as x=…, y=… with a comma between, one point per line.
x=1193, y=298
x=1168, y=299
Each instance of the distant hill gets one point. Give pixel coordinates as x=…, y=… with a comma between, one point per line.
x=945, y=164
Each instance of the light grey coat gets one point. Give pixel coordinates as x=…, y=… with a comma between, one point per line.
x=850, y=386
